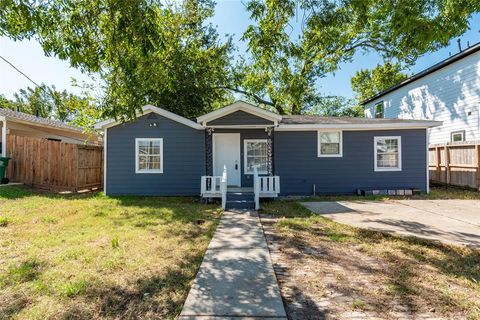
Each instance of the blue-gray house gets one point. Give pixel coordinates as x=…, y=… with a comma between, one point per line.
x=244, y=151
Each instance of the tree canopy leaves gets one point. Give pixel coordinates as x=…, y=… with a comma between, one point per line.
x=145, y=51
x=48, y=102
x=285, y=66
x=169, y=55
x=367, y=83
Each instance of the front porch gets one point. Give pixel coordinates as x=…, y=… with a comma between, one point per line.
x=239, y=142
x=234, y=197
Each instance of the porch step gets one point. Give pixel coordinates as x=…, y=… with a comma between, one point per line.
x=240, y=204
x=240, y=200
x=240, y=196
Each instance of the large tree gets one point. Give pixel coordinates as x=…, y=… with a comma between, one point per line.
x=366, y=83
x=293, y=43
x=145, y=51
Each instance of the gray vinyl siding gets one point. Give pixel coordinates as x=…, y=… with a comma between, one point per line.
x=239, y=118
x=183, y=158
x=299, y=168
x=246, y=179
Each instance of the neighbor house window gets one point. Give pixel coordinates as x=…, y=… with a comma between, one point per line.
x=379, y=110
x=148, y=155
x=457, y=136
x=330, y=143
x=388, y=154
x=255, y=154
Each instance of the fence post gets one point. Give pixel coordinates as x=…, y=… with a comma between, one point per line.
x=438, y=168
x=477, y=148
x=447, y=163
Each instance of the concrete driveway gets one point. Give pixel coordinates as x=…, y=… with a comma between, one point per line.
x=449, y=221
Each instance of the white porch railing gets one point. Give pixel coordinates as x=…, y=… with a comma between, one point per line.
x=223, y=187
x=215, y=187
x=265, y=187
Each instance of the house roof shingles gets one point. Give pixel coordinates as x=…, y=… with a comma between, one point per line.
x=306, y=119
x=24, y=117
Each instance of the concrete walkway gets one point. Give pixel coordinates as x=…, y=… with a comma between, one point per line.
x=449, y=221
x=236, y=278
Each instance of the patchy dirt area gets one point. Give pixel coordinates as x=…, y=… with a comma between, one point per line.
x=330, y=271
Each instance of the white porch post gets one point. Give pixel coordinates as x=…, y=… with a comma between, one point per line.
x=4, y=136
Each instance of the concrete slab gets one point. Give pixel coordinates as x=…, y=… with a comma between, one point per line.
x=236, y=278
x=450, y=221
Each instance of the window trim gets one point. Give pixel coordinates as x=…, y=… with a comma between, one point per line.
x=137, y=169
x=382, y=103
x=380, y=169
x=462, y=132
x=319, y=145
x=245, y=155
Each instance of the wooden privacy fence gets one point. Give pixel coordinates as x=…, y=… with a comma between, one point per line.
x=54, y=165
x=455, y=164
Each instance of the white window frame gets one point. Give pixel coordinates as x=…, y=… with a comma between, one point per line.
x=319, y=144
x=137, y=169
x=462, y=132
x=378, y=104
x=245, y=155
x=380, y=169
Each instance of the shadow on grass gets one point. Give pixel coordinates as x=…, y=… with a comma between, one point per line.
x=155, y=296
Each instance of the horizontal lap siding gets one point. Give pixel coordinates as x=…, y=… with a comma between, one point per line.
x=183, y=158
x=451, y=95
x=239, y=118
x=298, y=166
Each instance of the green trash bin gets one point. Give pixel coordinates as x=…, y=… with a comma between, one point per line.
x=3, y=167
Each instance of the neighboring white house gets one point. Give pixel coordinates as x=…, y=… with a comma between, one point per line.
x=448, y=91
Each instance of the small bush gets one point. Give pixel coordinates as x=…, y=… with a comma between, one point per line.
x=115, y=243
x=75, y=288
x=358, y=304
x=4, y=221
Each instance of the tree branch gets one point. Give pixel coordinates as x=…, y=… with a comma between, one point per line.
x=249, y=94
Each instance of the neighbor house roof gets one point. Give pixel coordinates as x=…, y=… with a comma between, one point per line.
x=435, y=67
x=31, y=119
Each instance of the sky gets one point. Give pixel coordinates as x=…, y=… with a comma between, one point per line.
x=230, y=18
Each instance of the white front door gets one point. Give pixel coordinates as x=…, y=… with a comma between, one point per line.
x=226, y=151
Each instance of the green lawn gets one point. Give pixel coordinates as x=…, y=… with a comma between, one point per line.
x=351, y=269
x=91, y=256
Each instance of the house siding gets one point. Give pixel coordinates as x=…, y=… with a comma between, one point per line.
x=239, y=118
x=447, y=95
x=246, y=179
x=299, y=168
x=183, y=157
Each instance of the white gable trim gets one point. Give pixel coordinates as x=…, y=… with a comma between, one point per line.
x=239, y=106
x=148, y=109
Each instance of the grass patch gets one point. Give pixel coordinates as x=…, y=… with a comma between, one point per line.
x=377, y=271
x=91, y=256
x=75, y=288
x=4, y=221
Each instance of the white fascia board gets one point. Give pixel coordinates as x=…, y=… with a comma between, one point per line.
x=243, y=106
x=377, y=126
x=148, y=109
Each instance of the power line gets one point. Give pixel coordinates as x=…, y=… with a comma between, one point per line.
x=23, y=74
